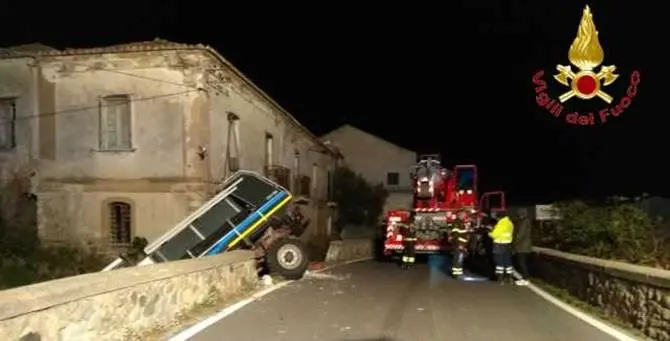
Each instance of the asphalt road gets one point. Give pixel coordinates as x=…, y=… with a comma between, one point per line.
x=376, y=301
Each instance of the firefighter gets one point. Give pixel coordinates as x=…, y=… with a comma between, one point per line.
x=502, y=235
x=409, y=241
x=459, y=240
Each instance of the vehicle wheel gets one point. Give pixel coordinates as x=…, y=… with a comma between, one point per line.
x=288, y=258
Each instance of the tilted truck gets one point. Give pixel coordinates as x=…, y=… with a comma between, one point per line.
x=248, y=213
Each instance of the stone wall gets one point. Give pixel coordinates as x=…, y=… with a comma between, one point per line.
x=634, y=294
x=350, y=249
x=111, y=305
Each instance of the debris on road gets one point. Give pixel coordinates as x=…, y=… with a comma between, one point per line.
x=266, y=280
x=321, y=275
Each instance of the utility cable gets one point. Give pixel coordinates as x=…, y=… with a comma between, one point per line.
x=92, y=107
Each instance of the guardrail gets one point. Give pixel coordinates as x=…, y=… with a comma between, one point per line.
x=111, y=305
x=637, y=295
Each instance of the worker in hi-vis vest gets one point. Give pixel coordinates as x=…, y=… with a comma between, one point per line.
x=502, y=235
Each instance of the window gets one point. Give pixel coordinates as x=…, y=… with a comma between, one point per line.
x=232, y=145
x=115, y=123
x=268, y=149
x=120, y=220
x=296, y=170
x=392, y=179
x=330, y=186
x=7, y=124
x=315, y=175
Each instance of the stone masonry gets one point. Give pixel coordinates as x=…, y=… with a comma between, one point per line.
x=349, y=249
x=112, y=305
x=636, y=295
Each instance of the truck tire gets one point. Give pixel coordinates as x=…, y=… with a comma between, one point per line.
x=288, y=258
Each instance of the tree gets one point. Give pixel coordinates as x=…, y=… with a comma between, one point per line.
x=359, y=203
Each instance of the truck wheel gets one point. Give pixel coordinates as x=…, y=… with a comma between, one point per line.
x=288, y=258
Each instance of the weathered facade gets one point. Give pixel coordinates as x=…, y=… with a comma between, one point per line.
x=126, y=140
x=377, y=160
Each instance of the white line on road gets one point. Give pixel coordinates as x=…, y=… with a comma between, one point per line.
x=206, y=323
x=600, y=325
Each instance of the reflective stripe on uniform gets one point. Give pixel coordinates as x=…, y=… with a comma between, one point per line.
x=500, y=270
x=459, y=230
x=462, y=240
x=406, y=259
x=509, y=270
x=457, y=271
x=410, y=239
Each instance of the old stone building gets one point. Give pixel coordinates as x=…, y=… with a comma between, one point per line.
x=377, y=160
x=125, y=140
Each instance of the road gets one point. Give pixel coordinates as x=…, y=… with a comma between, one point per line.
x=378, y=302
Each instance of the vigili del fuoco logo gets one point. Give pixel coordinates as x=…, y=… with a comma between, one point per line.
x=585, y=84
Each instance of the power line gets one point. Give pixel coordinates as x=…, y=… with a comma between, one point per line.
x=140, y=77
x=91, y=107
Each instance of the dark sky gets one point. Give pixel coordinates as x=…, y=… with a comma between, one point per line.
x=453, y=79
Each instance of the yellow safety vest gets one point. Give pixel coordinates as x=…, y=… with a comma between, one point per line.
x=503, y=231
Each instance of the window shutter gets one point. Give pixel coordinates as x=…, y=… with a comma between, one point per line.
x=125, y=134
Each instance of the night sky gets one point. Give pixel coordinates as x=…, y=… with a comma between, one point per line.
x=453, y=79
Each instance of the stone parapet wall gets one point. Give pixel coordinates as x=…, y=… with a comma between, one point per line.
x=111, y=305
x=637, y=295
x=350, y=249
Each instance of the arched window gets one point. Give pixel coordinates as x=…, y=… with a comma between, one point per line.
x=120, y=222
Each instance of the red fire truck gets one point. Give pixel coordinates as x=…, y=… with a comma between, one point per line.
x=441, y=197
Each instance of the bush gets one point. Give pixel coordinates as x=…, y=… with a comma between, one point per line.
x=23, y=260
x=620, y=232
x=359, y=203
x=47, y=263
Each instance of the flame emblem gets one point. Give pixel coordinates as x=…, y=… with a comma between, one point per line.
x=586, y=54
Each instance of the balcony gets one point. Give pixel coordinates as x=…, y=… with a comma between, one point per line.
x=399, y=189
x=279, y=174
x=302, y=186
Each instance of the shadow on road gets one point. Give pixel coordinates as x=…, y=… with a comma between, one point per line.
x=480, y=267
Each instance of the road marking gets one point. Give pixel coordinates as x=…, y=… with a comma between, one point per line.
x=206, y=323
x=600, y=325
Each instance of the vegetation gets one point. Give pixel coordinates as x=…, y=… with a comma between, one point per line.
x=24, y=260
x=359, y=203
x=621, y=232
x=582, y=306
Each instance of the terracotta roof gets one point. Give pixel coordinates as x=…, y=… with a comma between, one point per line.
x=40, y=50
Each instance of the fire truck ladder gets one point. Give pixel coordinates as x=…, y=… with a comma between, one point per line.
x=236, y=217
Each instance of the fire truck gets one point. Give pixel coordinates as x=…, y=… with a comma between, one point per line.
x=442, y=197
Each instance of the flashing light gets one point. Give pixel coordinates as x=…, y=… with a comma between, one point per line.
x=395, y=219
x=398, y=238
x=389, y=235
x=461, y=192
x=469, y=191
